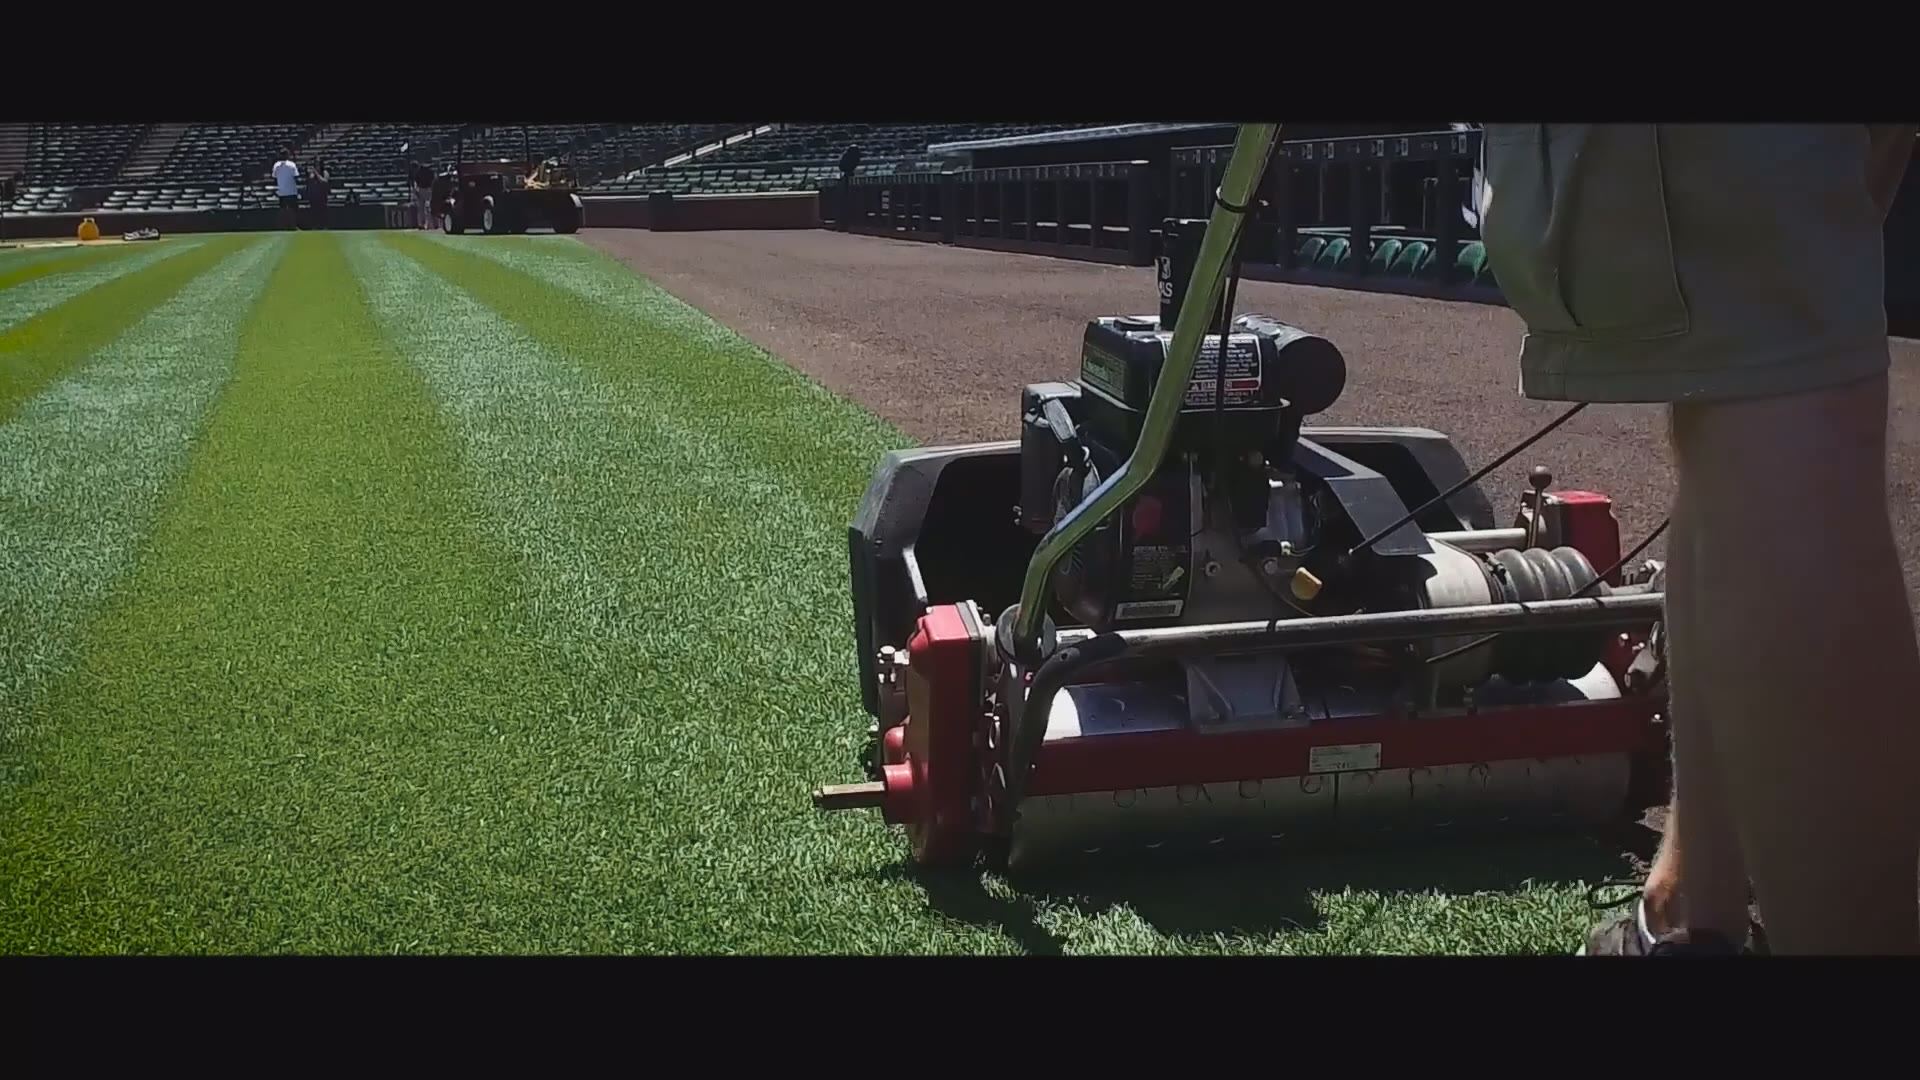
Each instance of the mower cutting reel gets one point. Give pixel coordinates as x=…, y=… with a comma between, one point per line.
x=1171, y=609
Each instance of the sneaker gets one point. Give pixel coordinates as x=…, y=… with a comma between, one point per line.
x=1629, y=935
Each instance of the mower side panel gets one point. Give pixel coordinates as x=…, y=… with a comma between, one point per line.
x=936, y=526
x=1421, y=463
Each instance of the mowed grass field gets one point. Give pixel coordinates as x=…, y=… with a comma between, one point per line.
x=382, y=593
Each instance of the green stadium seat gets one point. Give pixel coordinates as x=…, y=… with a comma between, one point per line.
x=1471, y=260
x=1309, y=250
x=1334, y=255
x=1413, y=258
x=1384, y=252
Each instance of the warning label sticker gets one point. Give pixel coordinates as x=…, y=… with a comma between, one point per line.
x=1156, y=570
x=1243, y=372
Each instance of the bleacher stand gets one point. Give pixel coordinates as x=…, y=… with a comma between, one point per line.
x=369, y=165
x=806, y=157
x=636, y=146
x=225, y=166
x=542, y=139
x=374, y=150
x=78, y=154
x=227, y=152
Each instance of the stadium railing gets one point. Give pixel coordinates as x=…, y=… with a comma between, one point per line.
x=1400, y=199
x=1102, y=210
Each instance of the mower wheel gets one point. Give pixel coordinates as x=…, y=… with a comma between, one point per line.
x=492, y=221
x=450, y=224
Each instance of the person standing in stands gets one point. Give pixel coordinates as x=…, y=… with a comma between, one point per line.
x=849, y=163
x=319, y=187
x=286, y=184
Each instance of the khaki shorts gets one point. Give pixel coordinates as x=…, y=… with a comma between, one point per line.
x=1692, y=262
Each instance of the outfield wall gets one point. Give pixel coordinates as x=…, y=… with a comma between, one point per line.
x=691, y=213
x=171, y=222
x=779, y=210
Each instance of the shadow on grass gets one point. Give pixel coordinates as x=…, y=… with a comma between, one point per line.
x=1258, y=891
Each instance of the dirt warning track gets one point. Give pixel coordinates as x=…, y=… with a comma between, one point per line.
x=939, y=340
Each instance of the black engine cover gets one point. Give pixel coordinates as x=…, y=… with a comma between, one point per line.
x=1276, y=375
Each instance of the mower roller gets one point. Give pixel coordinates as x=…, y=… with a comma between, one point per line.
x=1171, y=611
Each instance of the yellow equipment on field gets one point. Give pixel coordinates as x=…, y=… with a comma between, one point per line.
x=550, y=174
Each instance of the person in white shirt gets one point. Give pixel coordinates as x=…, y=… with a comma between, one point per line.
x=286, y=184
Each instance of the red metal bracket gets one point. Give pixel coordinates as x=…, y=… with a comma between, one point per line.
x=929, y=772
x=1589, y=526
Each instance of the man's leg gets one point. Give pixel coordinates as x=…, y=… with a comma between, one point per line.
x=1889, y=150
x=1715, y=896
x=1699, y=848
x=1801, y=631
x=1736, y=270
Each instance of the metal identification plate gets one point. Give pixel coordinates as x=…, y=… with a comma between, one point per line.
x=1355, y=757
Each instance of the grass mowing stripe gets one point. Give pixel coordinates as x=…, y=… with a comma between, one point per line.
x=23, y=302
x=39, y=350
x=83, y=465
x=640, y=363
x=14, y=258
x=681, y=603
x=18, y=271
x=641, y=337
x=303, y=725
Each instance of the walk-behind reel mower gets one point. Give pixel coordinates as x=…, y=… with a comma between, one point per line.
x=1171, y=611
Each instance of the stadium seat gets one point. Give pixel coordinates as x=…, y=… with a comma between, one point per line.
x=1383, y=255
x=1334, y=255
x=1413, y=258
x=1471, y=260
x=1309, y=250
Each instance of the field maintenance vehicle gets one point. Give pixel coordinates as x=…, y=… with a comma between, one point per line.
x=506, y=195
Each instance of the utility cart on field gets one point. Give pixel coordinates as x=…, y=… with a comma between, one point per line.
x=508, y=196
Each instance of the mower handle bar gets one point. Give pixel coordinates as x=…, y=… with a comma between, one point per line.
x=1253, y=146
x=1624, y=608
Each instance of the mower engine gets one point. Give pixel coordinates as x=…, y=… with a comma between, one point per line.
x=1223, y=523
